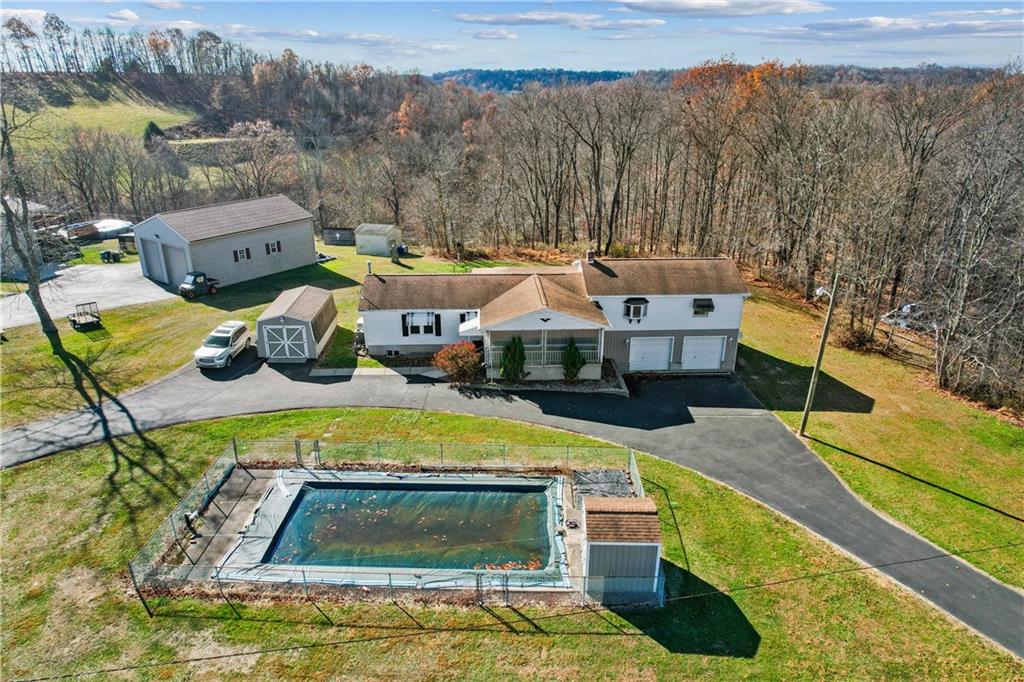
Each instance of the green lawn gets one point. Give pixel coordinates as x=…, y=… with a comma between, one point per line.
x=73, y=521
x=911, y=452
x=91, y=253
x=141, y=343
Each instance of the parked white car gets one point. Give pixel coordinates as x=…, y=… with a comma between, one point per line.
x=223, y=344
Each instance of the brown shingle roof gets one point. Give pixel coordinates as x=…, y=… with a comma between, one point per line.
x=535, y=293
x=622, y=519
x=662, y=276
x=231, y=217
x=302, y=303
x=446, y=292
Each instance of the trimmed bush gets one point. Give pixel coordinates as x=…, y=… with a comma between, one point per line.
x=152, y=130
x=513, y=361
x=459, y=361
x=572, y=361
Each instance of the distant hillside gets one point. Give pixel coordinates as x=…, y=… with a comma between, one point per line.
x=513, y=80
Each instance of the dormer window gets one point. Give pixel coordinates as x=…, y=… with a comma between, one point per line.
x=702, y=307
x=635, y=309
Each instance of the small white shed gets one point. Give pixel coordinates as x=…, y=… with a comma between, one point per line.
x=297, y=325
x=622, y=550
x=374, y=239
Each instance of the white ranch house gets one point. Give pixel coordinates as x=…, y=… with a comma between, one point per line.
x=647, y=315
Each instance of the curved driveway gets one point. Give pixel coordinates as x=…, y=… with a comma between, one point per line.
x=711, y=425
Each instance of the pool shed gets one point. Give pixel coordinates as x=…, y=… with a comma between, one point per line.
x=373, y=239
x=622, y=549
x=296, y=326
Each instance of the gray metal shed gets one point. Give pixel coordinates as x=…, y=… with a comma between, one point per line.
x=374, y=239
x=622, y=550
x=339, y=236
x=297, y=325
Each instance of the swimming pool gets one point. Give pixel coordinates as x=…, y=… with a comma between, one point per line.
x=368, y=528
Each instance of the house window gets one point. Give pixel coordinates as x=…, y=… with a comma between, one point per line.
x=392, y=353
x=635, y=309
x=242, y=254
x=468, y=315
x=273, y=247
x=419, y=323
x=702, y=307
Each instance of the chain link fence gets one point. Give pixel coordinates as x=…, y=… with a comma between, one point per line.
x=182, y=555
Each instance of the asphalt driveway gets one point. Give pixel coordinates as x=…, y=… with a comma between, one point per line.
x=711, y=425
x=111, y=286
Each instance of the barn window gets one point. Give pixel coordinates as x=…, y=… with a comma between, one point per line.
x=242, y=254
x=634, y=309
x=273, y=247
x=703, y=306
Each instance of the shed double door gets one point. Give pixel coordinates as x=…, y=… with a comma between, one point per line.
x=285, y=342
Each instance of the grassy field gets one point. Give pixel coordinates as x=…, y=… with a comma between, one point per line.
x=141, y=343
x=948, y=470
x=73, y=521
x=114, y=108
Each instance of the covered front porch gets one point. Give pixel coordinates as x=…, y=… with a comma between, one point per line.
x=544, y=350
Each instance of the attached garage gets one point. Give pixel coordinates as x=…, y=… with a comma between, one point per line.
x=297, y=325
x=703, y=352
x=622, y=550
x=650, y=353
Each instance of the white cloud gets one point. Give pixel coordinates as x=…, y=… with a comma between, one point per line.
x=725, y=8
x=578, y=20
x=969, y=13
x=490, y=33
x=29, y=16
x=859, y=29
x=123, y=15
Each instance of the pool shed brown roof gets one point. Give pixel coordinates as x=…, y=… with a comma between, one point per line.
x=662, y=276
x=232, y=217
x=622, y=519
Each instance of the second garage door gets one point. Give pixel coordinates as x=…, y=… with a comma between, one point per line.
x=177, y=266
x=648, y=354
x=703, y=352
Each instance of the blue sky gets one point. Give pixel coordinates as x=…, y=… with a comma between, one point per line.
x=430, y=36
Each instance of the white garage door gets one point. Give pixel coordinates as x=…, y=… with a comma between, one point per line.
x=703, y=352
x=151, y=257
x=649, y=353
x=176, y=265
x=286, y=342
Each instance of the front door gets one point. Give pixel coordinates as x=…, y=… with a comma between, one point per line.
x=648, y=354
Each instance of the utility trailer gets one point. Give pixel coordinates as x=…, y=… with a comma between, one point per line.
x=86, y=316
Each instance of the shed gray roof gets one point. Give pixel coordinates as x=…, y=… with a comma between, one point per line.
x=376, y=229
x=301, y=303
x=231, y=217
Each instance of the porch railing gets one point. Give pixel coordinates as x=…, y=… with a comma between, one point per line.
x=541, y=358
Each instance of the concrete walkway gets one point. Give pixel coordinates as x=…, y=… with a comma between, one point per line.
x=711, y=425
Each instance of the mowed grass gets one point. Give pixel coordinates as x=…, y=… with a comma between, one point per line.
x=950, y=471
x=91, y=253
x=141, y=343
x=73, y=521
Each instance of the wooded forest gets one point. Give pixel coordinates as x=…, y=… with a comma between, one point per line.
x=911, y=188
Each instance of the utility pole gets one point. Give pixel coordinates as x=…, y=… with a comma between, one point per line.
x=821, y=350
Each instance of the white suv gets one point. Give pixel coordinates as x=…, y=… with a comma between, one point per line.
x=223, y=344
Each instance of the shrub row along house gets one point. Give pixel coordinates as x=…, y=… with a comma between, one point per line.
x=648, y=315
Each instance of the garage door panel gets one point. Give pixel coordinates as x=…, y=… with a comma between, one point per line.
x=650, y=353
x=703, y=352
x=177, y=266
x=151, y=256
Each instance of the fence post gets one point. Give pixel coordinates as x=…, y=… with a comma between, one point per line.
x=234, y=448
x=566, y=456
x=441, y=448
x=135, y=584
x=504, y=455
x=316, y=452
x=378, y=453
x=298, y=452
